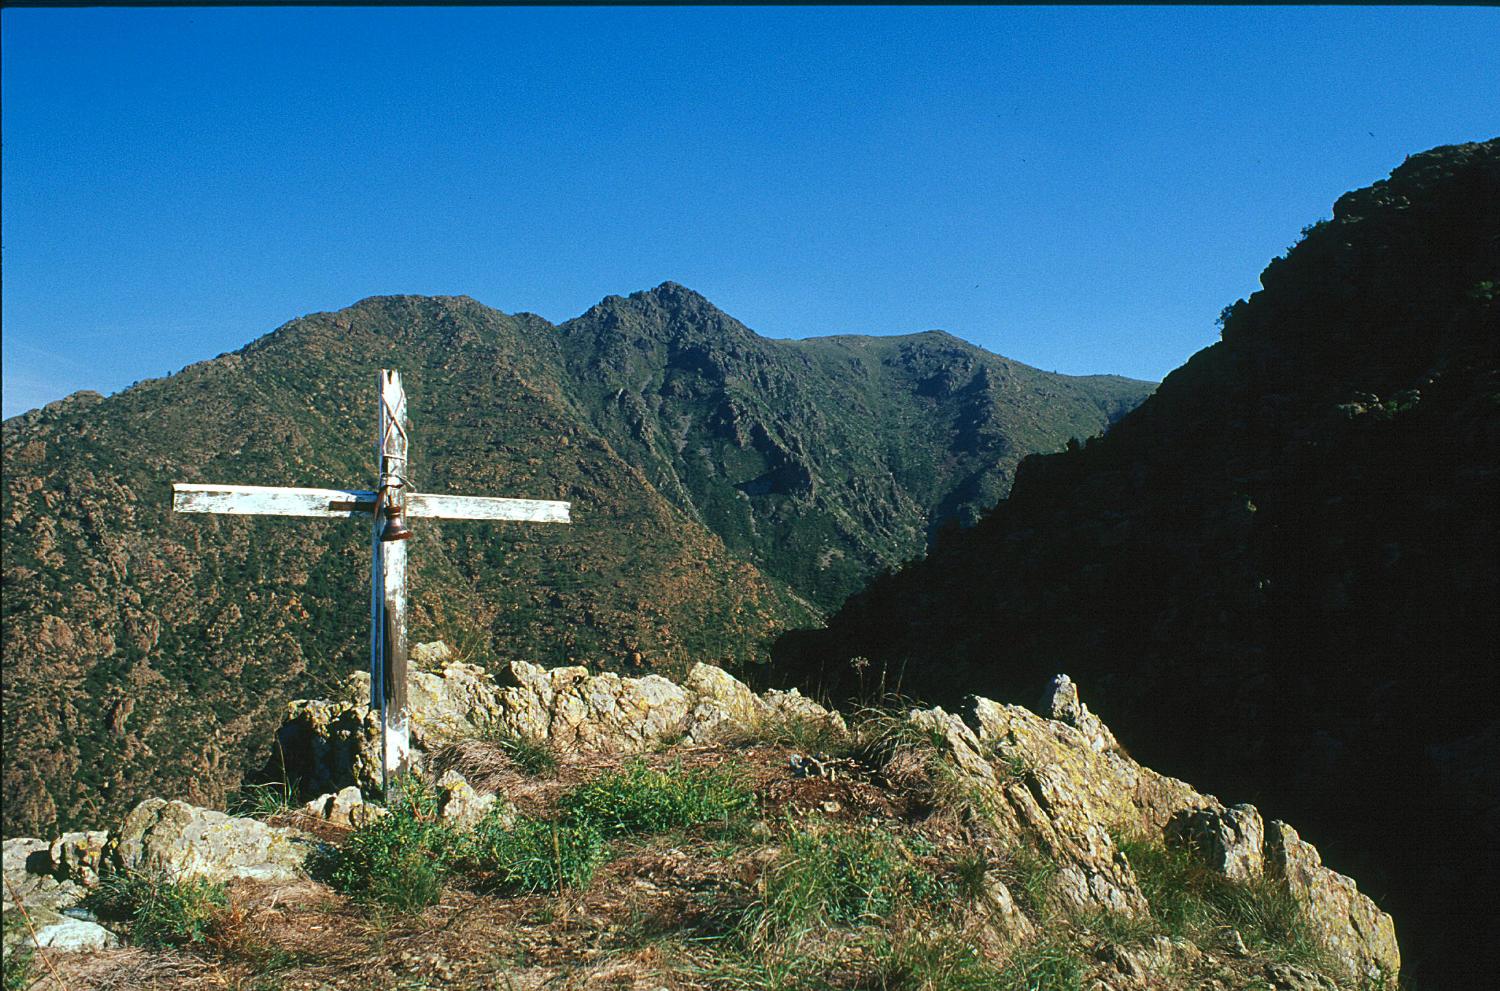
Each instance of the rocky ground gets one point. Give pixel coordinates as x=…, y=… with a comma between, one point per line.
x=916, y=849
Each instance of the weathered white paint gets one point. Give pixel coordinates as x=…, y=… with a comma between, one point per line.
x=450, y=507
x=275, y=500
x=271, y=500
x=391, y=455
x=388, y=587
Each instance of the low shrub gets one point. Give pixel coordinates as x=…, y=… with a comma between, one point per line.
x=531, y=855
x=399, y=859
x=19, y=963
x=161, y=911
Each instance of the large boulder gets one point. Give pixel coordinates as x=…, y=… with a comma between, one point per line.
x=326, y=746
x=28, y=868
x=182, y=840
x=1230, y=841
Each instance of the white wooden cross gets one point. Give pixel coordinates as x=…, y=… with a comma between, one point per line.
x=389, y=505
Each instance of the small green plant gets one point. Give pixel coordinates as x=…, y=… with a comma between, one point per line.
x=1029, y=874
x=970, y=875
x=640, y=799
x=530, y=855
x=1042, y=965
x=162, y=911
x=400, y=859
x=263, y=801
x=19, y=964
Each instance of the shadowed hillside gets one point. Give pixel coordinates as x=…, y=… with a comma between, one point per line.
x=1282, y=570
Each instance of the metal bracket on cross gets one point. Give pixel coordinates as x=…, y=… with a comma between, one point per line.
x=389, y=506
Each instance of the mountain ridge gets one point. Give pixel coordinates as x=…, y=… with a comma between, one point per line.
x=141, y=649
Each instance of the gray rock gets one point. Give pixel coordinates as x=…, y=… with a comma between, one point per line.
x=343, y=807
x=1360, y=937
x=1061, y=702
x=76, y=856
x=28, y=876
x=1228, y=841
x=76, y=935
x=182, y=840
x=459, y=804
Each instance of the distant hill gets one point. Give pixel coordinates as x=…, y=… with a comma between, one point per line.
x=1282, y=570
x=725, y=488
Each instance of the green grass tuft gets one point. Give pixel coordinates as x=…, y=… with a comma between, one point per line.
x=939, y=960
x=529, y=756
x=1029, y=873
x=640, y=799
x=1042, y=965
x=532, y=855
x=827, y=878
x=161, y=911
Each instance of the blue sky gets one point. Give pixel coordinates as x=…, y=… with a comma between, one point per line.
x=1082, y=189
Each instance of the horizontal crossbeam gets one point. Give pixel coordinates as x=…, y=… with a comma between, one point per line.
x=275, y=500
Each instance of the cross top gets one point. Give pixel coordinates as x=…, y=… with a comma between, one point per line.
x=388, y=506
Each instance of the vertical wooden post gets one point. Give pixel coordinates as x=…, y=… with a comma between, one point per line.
x=388, y=606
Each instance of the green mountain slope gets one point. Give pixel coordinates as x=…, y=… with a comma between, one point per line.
x=1282, y=570
x=142, y=650
x=824, y=460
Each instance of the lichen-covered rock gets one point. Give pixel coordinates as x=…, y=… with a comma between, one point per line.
x=573, y=709
x=343, y=807
x=1229, y=841
x=793, y=706
x=327, y=746
x=76, y=856
x=460, y=805
x=183, y=840
x=1061, y=702
x=72, y=935
x=28, y=876
x=431, y=656
x=1360, y=937
x=1064, y=783
x=722, y=705
x=1052, y=808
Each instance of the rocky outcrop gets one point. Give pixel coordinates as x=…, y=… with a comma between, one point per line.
x=1360, y=936
x=1053, y=788
x=1063, y=784
x=323, y=747
x=182, y=840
